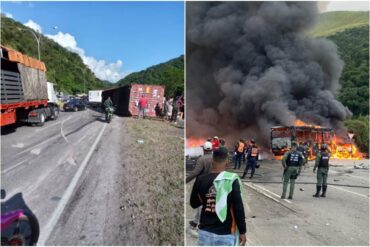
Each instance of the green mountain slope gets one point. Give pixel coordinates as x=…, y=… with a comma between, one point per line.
x=64, y=68
x=330, y=23
x=350, y=32
x=169, y=74
x=353, y=48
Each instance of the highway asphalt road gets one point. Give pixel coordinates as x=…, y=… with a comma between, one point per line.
x=342, y=218
x=73, y=174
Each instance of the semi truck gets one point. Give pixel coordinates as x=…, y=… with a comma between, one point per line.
x=95, y=98
x=26, y=96
x=126, y=98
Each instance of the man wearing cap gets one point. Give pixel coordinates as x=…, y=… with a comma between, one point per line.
x=203, y=166
x=215, y=143
x=322, y=163
x=292, y=163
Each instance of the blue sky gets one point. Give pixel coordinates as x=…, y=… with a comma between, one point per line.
x=121, y=37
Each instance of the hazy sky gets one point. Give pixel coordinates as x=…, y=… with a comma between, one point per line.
x=344, y=5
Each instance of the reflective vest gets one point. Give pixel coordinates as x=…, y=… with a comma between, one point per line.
x=241, y=147
x=293, y=159
x=324, y=160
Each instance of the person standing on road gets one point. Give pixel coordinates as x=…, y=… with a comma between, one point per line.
x=143, y=104
x=175, y=110
x=303, y=148
x=322, y=166
x=239, y=152
x=222, y=220
x=203, y=166
x=215, y=143
x=252, y=158
x=292, y=163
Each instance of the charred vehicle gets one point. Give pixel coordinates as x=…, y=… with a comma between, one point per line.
x=312, y=136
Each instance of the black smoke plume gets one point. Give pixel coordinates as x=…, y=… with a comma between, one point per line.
x=252, y=65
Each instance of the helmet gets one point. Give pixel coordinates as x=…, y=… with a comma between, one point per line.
x=216, y=137
x=207, y=146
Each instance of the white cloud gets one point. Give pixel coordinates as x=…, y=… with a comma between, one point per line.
x=9, y=15
x=33, y=25
x=101, y=68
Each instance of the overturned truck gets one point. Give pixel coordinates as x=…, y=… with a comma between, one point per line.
x=313, y=136
x=126, y=98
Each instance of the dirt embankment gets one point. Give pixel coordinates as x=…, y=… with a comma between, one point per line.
x=153, y=166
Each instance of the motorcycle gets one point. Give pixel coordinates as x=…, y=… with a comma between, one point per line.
x=19, y=227
x=109, y=113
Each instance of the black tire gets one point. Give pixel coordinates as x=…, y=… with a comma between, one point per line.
x=33, y=225
x=42, y=119
x=75, y=108
x=55, y=114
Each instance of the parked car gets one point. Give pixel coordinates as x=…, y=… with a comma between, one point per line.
x=74, y=105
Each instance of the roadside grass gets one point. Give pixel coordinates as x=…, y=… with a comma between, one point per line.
x=161, y=158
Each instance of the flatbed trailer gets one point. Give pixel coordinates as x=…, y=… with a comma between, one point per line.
x=25, y=93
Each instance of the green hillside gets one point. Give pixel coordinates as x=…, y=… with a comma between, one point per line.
x=350, y=32
x=170, y=74
x=330, y=23
x=64, y=68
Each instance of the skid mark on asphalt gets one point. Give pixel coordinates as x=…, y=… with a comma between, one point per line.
x=61, y=131
x=355, y=193
x=46, y=231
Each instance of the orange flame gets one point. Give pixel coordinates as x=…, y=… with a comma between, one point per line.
x=194, y=142
x=345, y=150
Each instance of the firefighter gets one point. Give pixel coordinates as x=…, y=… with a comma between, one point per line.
x=239, y=151
x=252, y=157
x=322, y=165
x=292, y=163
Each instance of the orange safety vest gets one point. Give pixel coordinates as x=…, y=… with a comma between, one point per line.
x=241, y=147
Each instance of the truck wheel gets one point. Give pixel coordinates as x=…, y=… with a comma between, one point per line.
x=75, y=108
x=41, y=119
x=55, y=114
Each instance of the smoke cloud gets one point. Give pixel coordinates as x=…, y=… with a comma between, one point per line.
x=251, y=66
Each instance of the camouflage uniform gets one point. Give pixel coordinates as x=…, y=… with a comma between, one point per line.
x=322, y=163
x=292, y=163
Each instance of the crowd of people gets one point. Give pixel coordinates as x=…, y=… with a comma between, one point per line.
x=216, y=196
x=171, y=109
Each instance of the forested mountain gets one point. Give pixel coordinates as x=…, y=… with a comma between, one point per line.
x=64, y=68
x=350, y=32
x=170, y=74
x=330, y=23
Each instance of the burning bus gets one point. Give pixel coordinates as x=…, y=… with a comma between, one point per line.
x=312, y=136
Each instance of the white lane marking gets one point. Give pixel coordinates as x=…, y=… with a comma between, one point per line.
x=18, y=145
x=262, y=188
x=61, y=131
x=260, y=191
x=287, y=201
x=355, y=193
x=41, y=143
x=36, y=151
x=13, y=167
x=46, y=231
